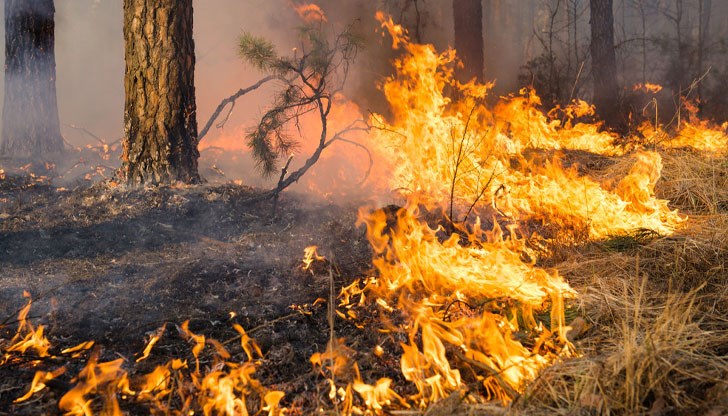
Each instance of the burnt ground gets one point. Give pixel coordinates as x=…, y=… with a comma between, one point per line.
x=112, y=265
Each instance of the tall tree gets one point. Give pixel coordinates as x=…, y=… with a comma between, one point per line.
x=468, y=19
x=604, y=61
x=31, y=129
x=160, y=125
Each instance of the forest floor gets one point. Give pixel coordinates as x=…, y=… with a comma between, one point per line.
x=111, y=265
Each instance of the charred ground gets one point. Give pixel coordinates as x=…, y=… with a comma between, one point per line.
x=113, y=265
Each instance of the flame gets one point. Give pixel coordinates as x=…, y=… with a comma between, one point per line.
x=648, y=87
x=75, y=351
x=467, y=292
x=310, y=254
x=477, y=158
x=156, y=385
x=702, y=136
x=96, y=378
x=199, y=341
x=152, y=341
x=27, y=337
x=310, y=13
x=426, y=276
x=378, y=396
x=223, y=389
x=39, y=383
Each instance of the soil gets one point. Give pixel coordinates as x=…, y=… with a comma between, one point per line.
x=112, y=265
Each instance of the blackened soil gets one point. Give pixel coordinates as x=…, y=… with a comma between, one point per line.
x=112, y=265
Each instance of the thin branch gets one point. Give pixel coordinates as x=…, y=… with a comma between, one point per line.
x=339, y=137
x=83, y=129
x=458, y=159
x=230, y=100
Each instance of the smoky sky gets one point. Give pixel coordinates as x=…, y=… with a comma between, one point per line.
x=90, y=59
x=90, y=48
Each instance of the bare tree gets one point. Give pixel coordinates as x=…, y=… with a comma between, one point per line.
x=705, y=8
x=468, y=16
x=604, y=61
x=31, y=129
x=160, y=126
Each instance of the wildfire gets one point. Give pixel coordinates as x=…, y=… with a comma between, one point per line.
x=696, y=134
x=476, y=156
x=471, y=295
x=455, y=271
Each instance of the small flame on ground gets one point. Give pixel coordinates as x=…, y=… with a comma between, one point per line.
x=152, y=341
x=647, y=87
x=310, y=254
x=223, y=389
x=28, y=337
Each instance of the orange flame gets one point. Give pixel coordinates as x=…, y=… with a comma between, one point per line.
x=648, y=87
x=39, y=383
x=28, y=337
x=310, y=13
x=95, y=378
x=310, y=254
x=152, y=341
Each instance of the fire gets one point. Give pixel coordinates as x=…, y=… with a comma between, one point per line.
x=152, y=341
x=101, y=387
x=27, y=337
x=455, y=275
x=648, y=87
x=310, y=13
x=39, y=383
x=478, y=161
x=310, y=254
x=694, y=133
x=106, y=378
x=425, y=277
x=471, y=293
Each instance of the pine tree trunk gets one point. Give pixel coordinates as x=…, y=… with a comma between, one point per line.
x=468, y=16
x=31, y=130
x=604, y=61
x=160, y=126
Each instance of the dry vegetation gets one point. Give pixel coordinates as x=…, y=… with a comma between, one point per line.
x=655, y=333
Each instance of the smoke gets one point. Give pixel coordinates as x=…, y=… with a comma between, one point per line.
x=90, y=59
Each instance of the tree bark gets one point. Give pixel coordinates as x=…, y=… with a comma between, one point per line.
x=160, y=125
x=468, y=19
x=31, y=129
x=604, y=61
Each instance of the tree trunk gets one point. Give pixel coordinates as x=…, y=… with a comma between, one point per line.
x=604, y=61
x=31, y=129
x=468, y=16
x=705, y=10
x=160, y=126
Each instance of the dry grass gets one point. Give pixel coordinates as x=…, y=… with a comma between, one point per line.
x=694, y=183
x=657, y=311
